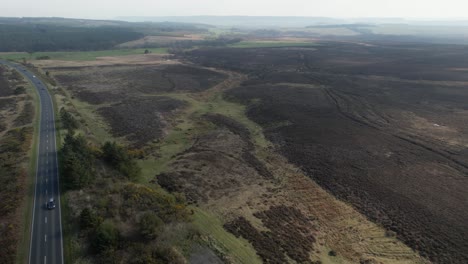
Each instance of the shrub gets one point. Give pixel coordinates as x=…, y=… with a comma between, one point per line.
x=106, y=237
x=68, y=121
x=121, y=160
x=19, y=90
x=89, y=219
x=150, y=225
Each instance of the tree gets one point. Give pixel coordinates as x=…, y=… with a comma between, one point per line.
x=77, y=162
x=147, y=51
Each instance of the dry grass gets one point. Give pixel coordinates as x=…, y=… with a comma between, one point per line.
x=143, y=59
x=161, y=40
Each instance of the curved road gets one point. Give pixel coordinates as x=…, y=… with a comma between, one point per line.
x=46, y=226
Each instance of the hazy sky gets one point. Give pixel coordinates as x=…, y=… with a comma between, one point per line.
x=107, y=9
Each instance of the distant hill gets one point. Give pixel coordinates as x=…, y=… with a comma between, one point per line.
x=64, y=34
x=241, y=21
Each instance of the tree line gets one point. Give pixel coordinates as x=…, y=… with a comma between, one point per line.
x=41, y=37
x=78, y=157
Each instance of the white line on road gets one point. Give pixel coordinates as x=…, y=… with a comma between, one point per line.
x=45, y=238
x=46, y=219
x=46, y=191
x=45, y=259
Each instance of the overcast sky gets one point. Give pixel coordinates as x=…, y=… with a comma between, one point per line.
x=108, y=9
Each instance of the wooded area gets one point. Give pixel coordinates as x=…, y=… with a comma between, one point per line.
x=33, y=37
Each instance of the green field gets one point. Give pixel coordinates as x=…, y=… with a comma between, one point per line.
x=271, y=44
x=77, y=55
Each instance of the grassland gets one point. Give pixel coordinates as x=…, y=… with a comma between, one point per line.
x=239, y=249
x=77, y=55
x=272, y=44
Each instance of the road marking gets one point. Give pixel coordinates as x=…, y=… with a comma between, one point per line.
x=46, y=191
x=45, y=259
x=45, y=238
x=46, y=219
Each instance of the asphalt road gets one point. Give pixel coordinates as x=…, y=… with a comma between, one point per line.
x=46, y=226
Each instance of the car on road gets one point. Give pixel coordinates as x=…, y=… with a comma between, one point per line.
x=50, y=204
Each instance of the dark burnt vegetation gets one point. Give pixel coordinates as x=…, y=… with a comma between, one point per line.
x=14, y=146
x=218, y=163
x=289, y=235
x=127, y=90
x=374, y=125
x=239, y=129
x=145, y=126
x=126, y=80
x=16, y=131
x=26, y=115
x=406, y=61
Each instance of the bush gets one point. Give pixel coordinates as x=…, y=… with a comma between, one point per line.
x=150, y=225
x=20, y=90
x=170, y=255
x=68, y=121
x=106, y=238
x=89, y=219
x=119, y=158
x=42, y=58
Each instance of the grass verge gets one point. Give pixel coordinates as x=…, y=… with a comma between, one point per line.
x=24, y=243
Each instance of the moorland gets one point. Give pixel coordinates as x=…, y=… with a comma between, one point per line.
x=191, y=143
